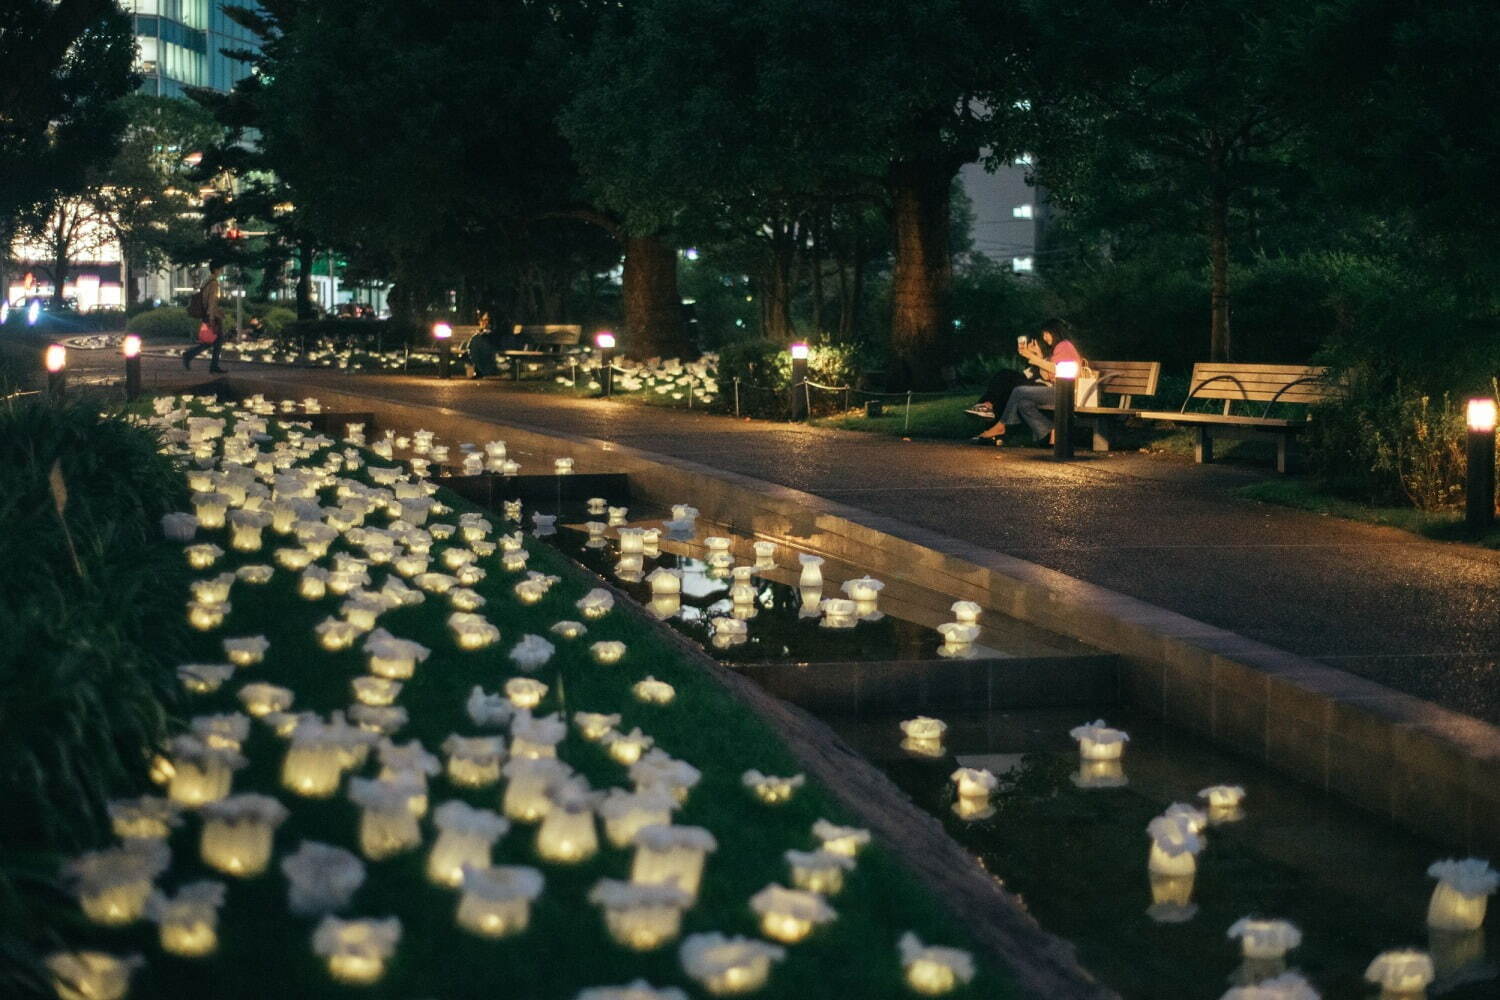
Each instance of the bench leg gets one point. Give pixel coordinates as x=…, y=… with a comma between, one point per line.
x=1281, y=443
x=1101, y=430
x=1203, y=451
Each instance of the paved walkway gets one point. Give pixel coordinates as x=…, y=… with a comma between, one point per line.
x=1418, y=615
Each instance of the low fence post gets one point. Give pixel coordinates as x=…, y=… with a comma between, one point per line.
x=906, y=427
x=736, y=395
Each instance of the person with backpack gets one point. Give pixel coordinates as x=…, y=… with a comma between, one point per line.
x=205, y=307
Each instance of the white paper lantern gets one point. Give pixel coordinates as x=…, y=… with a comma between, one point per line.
x=1097, y=741
x=145, y=818
x=529, y=782
x=653, y=692
x=627, y=813
x=205, y=617
x=471, y=631
x=113, y=885
x=640, y=917
x=567, y=834
x=1460, y=898
x=671, y=855
x=179, y=526
x=923, y=736
x=657, y=769
x=1224, y=803
x=725, y=966
x=465, y=838
x=261, y=699
x=375, y=691
x=91, y=975
x=238, y=832
x=189, y=921
x=393, y=658
x=594, y=726
x=387, y=822
x=200, y=773
x=496, y=902
x=819, y=871
x=474, y=761
x=1174, y=846
x=932, y=970
x=322, y=878
x=812, y=572
x=357, y=950
x=765, y=554
x=607, y=653
x=204, y=678
x=771, y=790
x=1401, y=973
x=246, y=651
x=844, y=840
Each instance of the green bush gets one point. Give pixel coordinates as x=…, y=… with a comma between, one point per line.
x=165, y=323
x=764, y=368
x=991, y=307
x=277, y=319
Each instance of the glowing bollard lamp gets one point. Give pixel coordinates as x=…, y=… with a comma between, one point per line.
x=605, y=341
x=130, y=348
x=798, y=399
x=1479, y=508
x=443, y=334
x=56, y=361
x=1065, y=377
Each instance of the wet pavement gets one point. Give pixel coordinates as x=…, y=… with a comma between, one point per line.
x=1418, y=615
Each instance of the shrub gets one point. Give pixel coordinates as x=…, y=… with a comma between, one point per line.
x=277, y=319
x=165, y=323
x=764, y=368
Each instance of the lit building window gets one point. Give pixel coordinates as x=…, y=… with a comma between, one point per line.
x=1022, y=265
x=1023, y=212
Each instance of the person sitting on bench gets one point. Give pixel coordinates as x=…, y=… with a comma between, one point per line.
x=1025, y=401
x=484, y=352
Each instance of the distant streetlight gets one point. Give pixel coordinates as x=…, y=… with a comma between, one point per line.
x=605, y=341
x=443, y=334
x=798, y=399
x=1479, y=507
x=130, y=347
x=56, y=362
x=1064, y=378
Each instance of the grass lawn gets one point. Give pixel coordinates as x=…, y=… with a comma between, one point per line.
x=264, y=951
x=931, y=417
x=1441, y=525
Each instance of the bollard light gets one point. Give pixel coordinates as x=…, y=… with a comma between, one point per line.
x=605, y=341
x=130, y=347
x=442, y=333
x=1479, y=507
x=56, y=361
x=1065, y=377
x=798, y=399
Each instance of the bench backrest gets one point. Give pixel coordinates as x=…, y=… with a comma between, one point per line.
x=1306, y=384
x=1125, y=379
x=550, y=334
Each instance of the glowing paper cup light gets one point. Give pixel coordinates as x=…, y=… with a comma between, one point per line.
x=465, y=838
x=924, y=736
x=1403, y=973
x=771, y=790
x=819, y=871
x=726, y=966
x=932, y=970
x=1461, y=897
x=474, y=761
x=627, y=813
x=1174, y=846
x=189, y=921
x=567, y=834
x=497, y=901
x=114, y=884
x=238, y=831
x=640, y=917
x=843, y=840
x=356, y=950
x=91, y=975
x=1096, y=741
x=789, y=915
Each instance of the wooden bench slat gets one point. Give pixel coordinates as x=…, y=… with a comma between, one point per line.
x=1219, y=418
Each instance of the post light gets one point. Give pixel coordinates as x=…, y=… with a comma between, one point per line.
x=443, y=334
x=131, y=350
x=1065, y=376
x=1480, y=507
x=56, y=361
x=798, y=390
x=605, y=341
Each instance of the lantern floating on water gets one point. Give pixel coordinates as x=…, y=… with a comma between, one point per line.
x=189, y=921
x=966, y=612
x=618, y=516
x=261, y=699
x=567, y=834
x=596, y=603
x=496, y=902
x=318, y=756
x=725, y=965
x=474, y=761
x=91, y=975
x=771, y=790
x=238, y=832
x=1402, y=973
x=632, y=541
x=524, y=692
x=246, y=651
x=387, y=822
x=671, y=855
x=845, y=840
x=204, y=678
x=594, y=726
x=1096, y=741
x=465, y=838
x=179, y=526
x=924, y=736
x=1174, y=846
x=200, y=773
x=863, y=589
x=528, y=782
x=322, y=878
x=1172, y=899
x=562, y=466
x=653, y=692
x=1264, y=944
x=1462, y=894
x=1100, y=774
x=765, y=554
x=472, y=631
x=113, y=885
x=1224, y=803
x=839, y=613
x=729, y=632
x=357, y=950
x=958, y=639
x=665, y=582
x=640, y=917
x=974, y=787
x=658, y=769
x=933, y=970
x=532, y=652
x=819, y=871
x=1195, y=820
x=145, y=818
x=435, y=583
x=627, y=813
x=812, y=572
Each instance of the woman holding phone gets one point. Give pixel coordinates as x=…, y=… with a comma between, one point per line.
x=1024, y=402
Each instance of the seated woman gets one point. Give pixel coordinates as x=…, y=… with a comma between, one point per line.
x=1025, y=401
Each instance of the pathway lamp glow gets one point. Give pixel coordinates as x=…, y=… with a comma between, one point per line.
x=130, y=349
x=604, y=340
x=56, y=361
x=1065, y=377
x=798, y=398
x=443, y=334
x=1479, y=510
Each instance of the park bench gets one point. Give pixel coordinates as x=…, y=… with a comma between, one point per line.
x=1304, y=385
x=540, y=341
x=1125, y=380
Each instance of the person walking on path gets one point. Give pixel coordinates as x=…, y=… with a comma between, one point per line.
x=210, y=311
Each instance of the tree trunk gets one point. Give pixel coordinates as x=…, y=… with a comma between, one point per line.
x=305, y=257
x=653, y=307
x=1218, y=257
x=783, y=263
x=816, y=253
x=922, y=273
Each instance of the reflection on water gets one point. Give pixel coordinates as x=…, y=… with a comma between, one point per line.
x=1069, y=837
